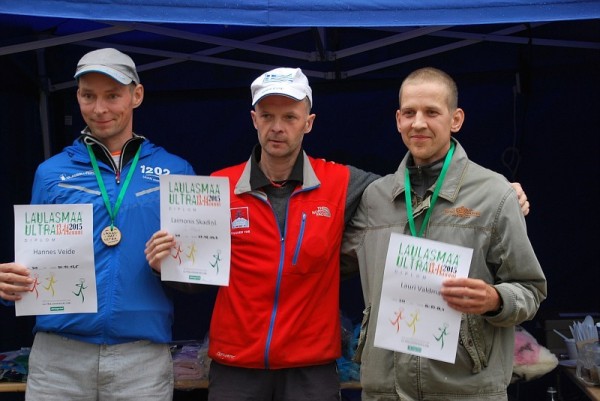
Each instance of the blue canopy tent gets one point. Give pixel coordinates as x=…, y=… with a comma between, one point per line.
x=311, y=13
x=528, y=75
x=142, y=27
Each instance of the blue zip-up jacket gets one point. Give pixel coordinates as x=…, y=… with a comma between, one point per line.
x=131, y=302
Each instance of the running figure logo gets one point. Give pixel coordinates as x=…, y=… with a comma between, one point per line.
x=82, y=287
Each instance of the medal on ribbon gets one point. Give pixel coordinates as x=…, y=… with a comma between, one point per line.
x=111, y=235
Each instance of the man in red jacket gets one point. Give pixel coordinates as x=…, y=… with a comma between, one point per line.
x=275, y=330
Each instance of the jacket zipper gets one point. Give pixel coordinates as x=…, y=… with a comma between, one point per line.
x=299, y=243
x=280, y=273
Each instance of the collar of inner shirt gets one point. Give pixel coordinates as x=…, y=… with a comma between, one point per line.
x=258, y=179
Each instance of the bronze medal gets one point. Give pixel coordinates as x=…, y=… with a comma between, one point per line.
x=111, y=236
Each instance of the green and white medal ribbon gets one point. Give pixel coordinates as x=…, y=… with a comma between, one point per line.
x=111, y=235
x=438, y=186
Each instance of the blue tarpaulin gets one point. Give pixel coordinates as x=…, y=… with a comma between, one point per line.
x=333, y=13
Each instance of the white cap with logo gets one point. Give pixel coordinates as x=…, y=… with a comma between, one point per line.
x=290, y=82
x=111, y=62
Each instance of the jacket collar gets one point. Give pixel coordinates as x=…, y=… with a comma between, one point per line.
x=454, y=176
x=102, y=153
x=258, y=179
x=308, y=177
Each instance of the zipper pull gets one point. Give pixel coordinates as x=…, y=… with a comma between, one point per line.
x=118, y=176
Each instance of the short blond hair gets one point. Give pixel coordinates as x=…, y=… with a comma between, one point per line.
x=433, y=74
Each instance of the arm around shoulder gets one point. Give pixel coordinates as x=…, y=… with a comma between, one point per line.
x=519, y=278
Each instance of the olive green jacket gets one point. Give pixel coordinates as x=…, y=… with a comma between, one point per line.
x=478, y=209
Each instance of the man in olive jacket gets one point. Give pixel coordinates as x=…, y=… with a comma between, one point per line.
x=472, y=207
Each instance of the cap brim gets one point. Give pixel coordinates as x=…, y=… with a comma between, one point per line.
x=280, y=91
x=102, y=69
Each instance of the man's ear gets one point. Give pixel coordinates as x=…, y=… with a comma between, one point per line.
x=458, y=118
x=138, y=95
x=309, y=123
x=398, y=118
x=253, y=115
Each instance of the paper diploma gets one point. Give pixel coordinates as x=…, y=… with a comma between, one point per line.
x=56, y=243
x=195, y=209
x=413, y=318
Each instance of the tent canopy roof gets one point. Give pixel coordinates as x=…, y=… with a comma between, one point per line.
x=329, y=40
x=310, y=13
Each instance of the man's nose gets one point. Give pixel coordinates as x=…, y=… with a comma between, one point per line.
x=99, y=106
x=277, y=125
x=419, y=121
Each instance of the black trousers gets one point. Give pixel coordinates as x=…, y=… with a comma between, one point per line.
x=310, y=383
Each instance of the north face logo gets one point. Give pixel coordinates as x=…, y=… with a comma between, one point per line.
x=322, y=211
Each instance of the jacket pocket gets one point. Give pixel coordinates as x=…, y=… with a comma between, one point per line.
x=298, y=246
x=362, y=337
x=473, y=340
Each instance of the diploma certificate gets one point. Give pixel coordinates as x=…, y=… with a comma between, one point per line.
x=195, y=209
x=413, y=318
x=56, y=243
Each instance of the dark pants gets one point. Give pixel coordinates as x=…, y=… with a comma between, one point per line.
x=310, y=383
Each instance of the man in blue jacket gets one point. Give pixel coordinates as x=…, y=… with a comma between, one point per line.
x=91, y=356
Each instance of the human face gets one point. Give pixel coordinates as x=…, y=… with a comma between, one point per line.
x=281, y=123
x=107, y=108
x=425, y=121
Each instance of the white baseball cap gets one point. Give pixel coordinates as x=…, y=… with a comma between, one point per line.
x=290, y=82
x=111, y=62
